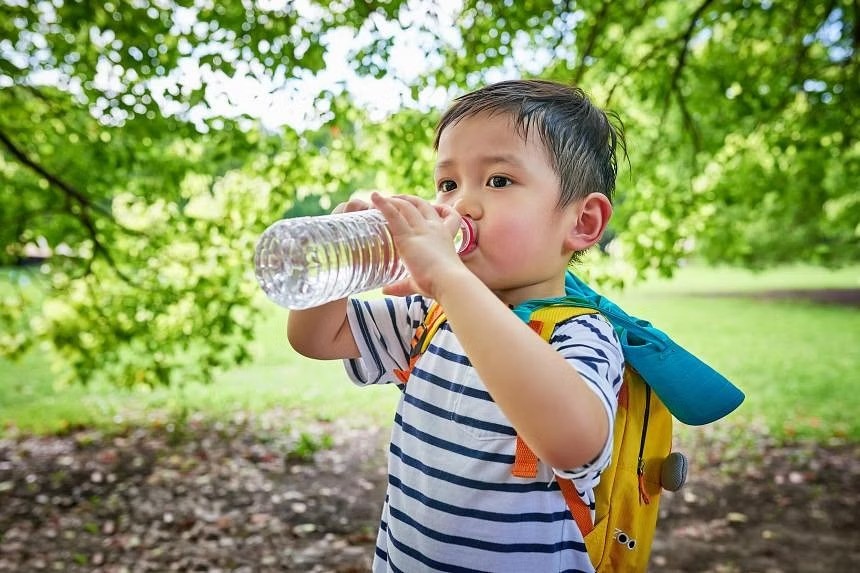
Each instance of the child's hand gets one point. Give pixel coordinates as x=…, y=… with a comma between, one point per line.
x=350, y=206
x=424, y=236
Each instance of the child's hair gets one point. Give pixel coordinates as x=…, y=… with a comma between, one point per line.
x=578, y=136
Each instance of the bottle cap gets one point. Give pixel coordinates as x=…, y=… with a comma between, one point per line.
x=466, y=239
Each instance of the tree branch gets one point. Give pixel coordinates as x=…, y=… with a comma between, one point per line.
x=656, y=49
x=86, y=205
x=675, y=79
x=591, y=42
x=55, y=181
x=856, y=37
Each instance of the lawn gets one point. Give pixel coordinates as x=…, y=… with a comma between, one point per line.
x=796, y=361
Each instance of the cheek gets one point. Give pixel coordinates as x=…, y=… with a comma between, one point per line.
x=513, y=238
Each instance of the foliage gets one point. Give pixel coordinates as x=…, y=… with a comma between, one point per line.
x=150, y=222
x=739, y=116
x=117, y=155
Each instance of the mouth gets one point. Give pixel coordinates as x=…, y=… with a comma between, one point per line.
x=468, y=237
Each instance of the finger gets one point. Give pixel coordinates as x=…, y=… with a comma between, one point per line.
x=416, y=211
x=356, y=205
x=391, y=208
x=451, y=219
x=427, y=209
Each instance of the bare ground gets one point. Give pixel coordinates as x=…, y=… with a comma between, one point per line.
x=247, y=497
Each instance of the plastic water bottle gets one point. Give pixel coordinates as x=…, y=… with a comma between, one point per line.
x=308, y=261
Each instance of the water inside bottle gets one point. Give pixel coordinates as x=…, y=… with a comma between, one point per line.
x=307, y=261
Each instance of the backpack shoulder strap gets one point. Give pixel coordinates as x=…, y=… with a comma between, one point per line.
x=543, y=321
x=421, y=339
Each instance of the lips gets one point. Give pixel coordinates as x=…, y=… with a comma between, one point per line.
x=470, y=237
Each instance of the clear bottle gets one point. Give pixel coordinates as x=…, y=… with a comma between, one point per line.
x=308, y=261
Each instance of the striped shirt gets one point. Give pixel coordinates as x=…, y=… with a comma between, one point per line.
x=452, y=503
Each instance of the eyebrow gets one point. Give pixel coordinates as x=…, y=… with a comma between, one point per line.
x=486, y=160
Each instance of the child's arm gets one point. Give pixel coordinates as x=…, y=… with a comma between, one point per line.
x=322, y=332
x=546, y=400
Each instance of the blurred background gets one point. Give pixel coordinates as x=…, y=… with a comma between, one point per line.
x=146, y=144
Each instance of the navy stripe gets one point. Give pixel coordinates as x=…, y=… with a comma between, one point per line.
x=498, y=517
x=503, y=429
x=353, y=367
x=365, y=334
x=451, y=446
x=464, y=420
x=376, y=321
x=594, y=349
x=486, y=545
x=597, y=332
x=423, y=305
x=432, y=564
x=381, y=554
x=392, y=315
x=451, y=386
x=426, y=406
x=591, y=362
x=517, y=487
x=448, y=355
x=606, y=399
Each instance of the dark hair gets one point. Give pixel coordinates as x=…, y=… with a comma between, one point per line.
x=579, y=137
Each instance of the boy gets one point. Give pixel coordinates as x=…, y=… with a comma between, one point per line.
x=533, y=165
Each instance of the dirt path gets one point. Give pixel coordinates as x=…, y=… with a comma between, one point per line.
x=234, y=498
x=849, y=297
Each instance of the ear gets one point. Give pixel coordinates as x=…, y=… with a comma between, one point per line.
x=592, y=215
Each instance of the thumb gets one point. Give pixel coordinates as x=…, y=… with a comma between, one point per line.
x=403, y=287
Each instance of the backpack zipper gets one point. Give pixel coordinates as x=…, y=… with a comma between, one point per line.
x=640, y=469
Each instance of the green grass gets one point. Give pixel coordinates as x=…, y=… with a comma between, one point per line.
x=797, y=363
x=278, y=378
x=698, y=279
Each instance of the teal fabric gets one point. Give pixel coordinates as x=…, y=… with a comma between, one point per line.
x=695, y=393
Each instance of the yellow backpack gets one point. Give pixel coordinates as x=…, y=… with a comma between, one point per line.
x=628, y=495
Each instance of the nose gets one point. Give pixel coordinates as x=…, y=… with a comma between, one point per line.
x=467, y=203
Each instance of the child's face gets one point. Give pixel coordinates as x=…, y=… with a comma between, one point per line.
x=506, y=184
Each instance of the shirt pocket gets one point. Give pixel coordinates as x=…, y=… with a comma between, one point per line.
x=476, y=414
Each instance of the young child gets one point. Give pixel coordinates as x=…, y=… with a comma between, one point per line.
x=533, y=165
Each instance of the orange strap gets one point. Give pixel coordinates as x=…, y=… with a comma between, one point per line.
x=526, y=466
x=525, y=461
x=580, y=512
x=421, y=339
x=403, y=375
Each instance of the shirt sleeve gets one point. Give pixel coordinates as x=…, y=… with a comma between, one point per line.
x=590, y=345
x=383, y=330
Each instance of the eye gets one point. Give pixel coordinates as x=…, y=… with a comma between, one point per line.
x=446, y=186
x=498, y=181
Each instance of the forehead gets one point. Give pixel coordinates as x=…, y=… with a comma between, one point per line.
x=490, y=137
x=496, y=130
